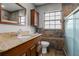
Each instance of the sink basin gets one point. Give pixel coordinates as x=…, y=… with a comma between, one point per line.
x=23, y=37
x=26, y=36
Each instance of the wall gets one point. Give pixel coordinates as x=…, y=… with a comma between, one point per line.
x=49, y=33
x=10, y=28
x=68, y=8
x=47, y=8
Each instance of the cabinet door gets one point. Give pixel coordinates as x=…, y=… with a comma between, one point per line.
x=28, y=52
x=33, y=50
x=36, y=23
x=34, y=17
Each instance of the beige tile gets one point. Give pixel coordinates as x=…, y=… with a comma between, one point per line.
x=54, y=52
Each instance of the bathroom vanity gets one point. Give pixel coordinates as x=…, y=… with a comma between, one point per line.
x=18, y=47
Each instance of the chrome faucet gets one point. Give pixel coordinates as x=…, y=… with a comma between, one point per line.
x=18, y=32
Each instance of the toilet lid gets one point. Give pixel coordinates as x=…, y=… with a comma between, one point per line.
x=45, y=42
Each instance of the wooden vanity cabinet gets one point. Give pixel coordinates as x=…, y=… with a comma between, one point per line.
x=33, y=50
x=28, y=48
x=34, y=18
x=27, y=52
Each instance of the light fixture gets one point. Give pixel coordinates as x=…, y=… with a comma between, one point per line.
x=2, y=6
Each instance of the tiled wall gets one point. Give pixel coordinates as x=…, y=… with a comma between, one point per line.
x=68, y=8
x=54, y=33
x=55, y=37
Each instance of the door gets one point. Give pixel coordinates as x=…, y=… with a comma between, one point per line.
x=76, y=40
x=69, y=37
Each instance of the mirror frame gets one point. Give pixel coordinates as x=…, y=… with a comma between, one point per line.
x=9, y=22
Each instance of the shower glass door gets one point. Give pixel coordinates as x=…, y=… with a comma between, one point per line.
x=69, y=31
x=76, y=32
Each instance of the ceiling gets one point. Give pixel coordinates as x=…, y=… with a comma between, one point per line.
x=39, y=4
x=11, y=6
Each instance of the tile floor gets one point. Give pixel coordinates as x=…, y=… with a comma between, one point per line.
x=54, y=52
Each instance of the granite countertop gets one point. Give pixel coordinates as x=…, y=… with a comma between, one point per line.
x=7, y=43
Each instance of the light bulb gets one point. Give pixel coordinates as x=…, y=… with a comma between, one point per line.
x=2, y=6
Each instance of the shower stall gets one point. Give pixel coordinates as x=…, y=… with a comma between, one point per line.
x=72, y=33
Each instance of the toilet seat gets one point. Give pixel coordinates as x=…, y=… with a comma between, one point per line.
x=44, y=43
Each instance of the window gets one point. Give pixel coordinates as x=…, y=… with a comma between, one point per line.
x=22, y=20
x=52, y=20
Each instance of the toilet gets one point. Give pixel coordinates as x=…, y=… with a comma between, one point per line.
x=44, y=45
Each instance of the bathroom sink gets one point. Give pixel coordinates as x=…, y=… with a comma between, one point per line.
x=26, y=36
x=23, y=37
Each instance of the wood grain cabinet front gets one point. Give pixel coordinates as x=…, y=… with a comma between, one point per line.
x=33, y=50
x=27, y=52
x=34, y=18
x=28, y=48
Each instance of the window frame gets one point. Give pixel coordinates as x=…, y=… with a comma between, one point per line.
x=53, y=20
x=21, y=20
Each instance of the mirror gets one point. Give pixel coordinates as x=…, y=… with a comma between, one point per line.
x=13, y=13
